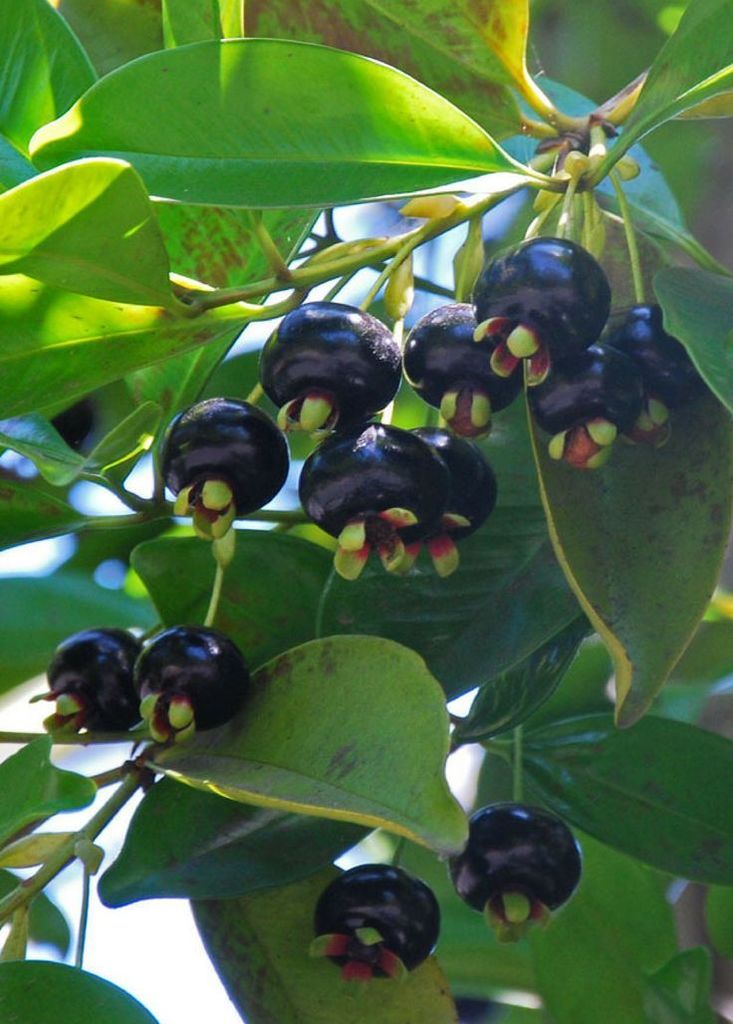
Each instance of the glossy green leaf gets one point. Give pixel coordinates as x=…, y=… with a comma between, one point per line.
x=615, y=927
x=26, y=514
x=46, y=923
x=510, y=698
x=584, y=688
x=37, y=439
x=88, y=227
x=32, y=991
x=114, y=32
x=14, y=168
x=39, y=613
x=719, y=918
x=694, y=65
x=657, y=791
x=56, y=346
x=698, y=310
x=259, y=947
x=231, y=140
x=475, y=963
x=257, y=607
x=505, y=600
x=434, y=42
x=626, y=534
x=46, y=69
x=324, y=733
x=717, y=106
x=679, y=992
x=133, y=435
x=32, y=788
x=190, y=21
x=709, y=656
x=185, y=842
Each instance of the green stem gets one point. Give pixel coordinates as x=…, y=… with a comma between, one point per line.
x=290, y=516
x=412, y=243
x=83, y=920
x=517, y=776
x=84, y=739
x=306, y=277
x=255, y=394
x=630, y=238
x=566, y=214
x=30, y=887
x=270, y=250
x=215, y=595
x=398, y=851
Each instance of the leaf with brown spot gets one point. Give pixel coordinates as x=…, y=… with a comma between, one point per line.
x=334, y=745
x=259, y=947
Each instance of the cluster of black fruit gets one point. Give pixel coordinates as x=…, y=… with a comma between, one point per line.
x=330, y=368
x=378, y=920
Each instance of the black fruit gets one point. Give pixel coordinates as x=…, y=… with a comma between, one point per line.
x=76, y=423
x=187, y=678
x=669, y=377
x=586, y=403
x=452, y=372
x=544, y=300
x=328, y=364
x=519, y=863
x=91, y=679
x=374, y=487
x=375, y=920
x=223, y=458
x=471, y=496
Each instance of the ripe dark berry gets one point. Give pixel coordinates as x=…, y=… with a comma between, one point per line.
x=329, y=364
x=187, y=678
x=374, y=487
x=545, y=300
x=453, y=373
x=223, y=458
x=90, y=678
x=471, y=496
x=76, y=423
x=669, y=377
x=586, y=403
x=376, y=920
x=519, y=863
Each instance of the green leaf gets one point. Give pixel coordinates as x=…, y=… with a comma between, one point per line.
x=32, y=788
x=717, y=106
x=44, y=72
x=719, y=918
x=694, y=65
x=36, y=990
x=679, y=992
x=259, y=947
x=46, y=923
x=114, y=32
x=88, y=227
x=709, y=656
x=584, y=686
x=14, y=168
x=510, y=698
x=505, y=600
x=697, y=310
x=324, y=733
x=56, y=346
x=37, y=439
x=185, y=842
x=26, y=514
x=616, y=926
x=627, y=533
x=190, y=21
x=134, y=434
x=255, y=609
x=364, y=129
x=39, y=613
x=656, y=791
x=434, y=42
